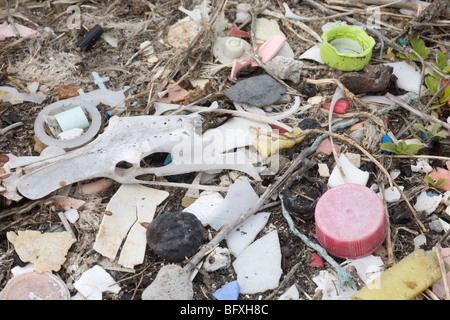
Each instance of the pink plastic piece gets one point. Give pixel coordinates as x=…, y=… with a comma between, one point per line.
x=340, y=107
x=316, y=261
x=6, y=31
x=441, y=173
x=235, y=32
x=237, y=66
x=270, y=48
x=350, y=221
x=325, y=147
x=438, y=287
x=35, y=286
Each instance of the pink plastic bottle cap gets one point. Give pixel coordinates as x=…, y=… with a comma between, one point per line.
x=350, y=221
x=35, y=286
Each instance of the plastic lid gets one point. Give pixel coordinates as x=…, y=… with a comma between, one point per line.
x=350, y=221
x=35, y=286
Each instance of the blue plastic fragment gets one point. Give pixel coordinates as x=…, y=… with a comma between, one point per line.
x=386, y=139
x=402, y=41
x=168, y=159
x=99, y=81
x=230, y=291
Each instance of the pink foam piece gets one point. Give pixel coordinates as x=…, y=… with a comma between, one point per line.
x=340, y=107
x=270, y=48
x=350, y=221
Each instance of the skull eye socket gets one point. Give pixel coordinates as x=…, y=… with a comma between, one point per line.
x=157, y=159
x=124, y=165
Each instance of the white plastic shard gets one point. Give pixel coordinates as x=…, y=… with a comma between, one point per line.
x=351, y=172
x=117, y=154
x=258, y=268
x=239, y=199
x=131, y=206
x=243, y=235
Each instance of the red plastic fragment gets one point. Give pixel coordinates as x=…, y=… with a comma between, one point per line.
x=340, y=107
x=316, y=261
x=235, y=32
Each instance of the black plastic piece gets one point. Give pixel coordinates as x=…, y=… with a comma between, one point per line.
x=90, y=38
x=301, y=195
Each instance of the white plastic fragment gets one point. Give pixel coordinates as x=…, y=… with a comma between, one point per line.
x=329, y=284
x=392, y=195
x=243, y=235
x=130, y=207
x=258, y=268
x=408, y=78
x=312, y=53
x=243, y=12
x=72, y=215
x=368, y=268
x=71, y=134
x=94, y=282
x=112, y=41
x=240, y=197
x=351, y=172
x=204, y=205
x=419, y=241
x=427, y=203
x=290, y=294
x=290, y=15
x=323, y=170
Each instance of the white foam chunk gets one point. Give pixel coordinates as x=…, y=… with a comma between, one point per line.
x=243, y=235
x=427, y=203
x=258, y=268
x=240, y=197
x=206, y=203
x=352, y=173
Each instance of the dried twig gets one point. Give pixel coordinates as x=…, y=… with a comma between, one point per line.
x=417, y=112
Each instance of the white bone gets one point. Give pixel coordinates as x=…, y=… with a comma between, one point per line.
x=125, y=139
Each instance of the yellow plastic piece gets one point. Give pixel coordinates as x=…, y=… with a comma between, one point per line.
x=267, y=147
x=405, y=280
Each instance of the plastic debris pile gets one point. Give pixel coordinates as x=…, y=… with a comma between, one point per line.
x=237, y=153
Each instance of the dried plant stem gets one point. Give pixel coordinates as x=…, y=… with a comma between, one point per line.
x=417, y=112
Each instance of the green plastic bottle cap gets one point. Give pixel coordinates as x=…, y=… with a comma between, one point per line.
x=72, y=118
x=346, y=48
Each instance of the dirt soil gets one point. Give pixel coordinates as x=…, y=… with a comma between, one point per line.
x=57, y=60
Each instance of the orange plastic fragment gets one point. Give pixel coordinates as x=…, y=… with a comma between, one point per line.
x=66, y=91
